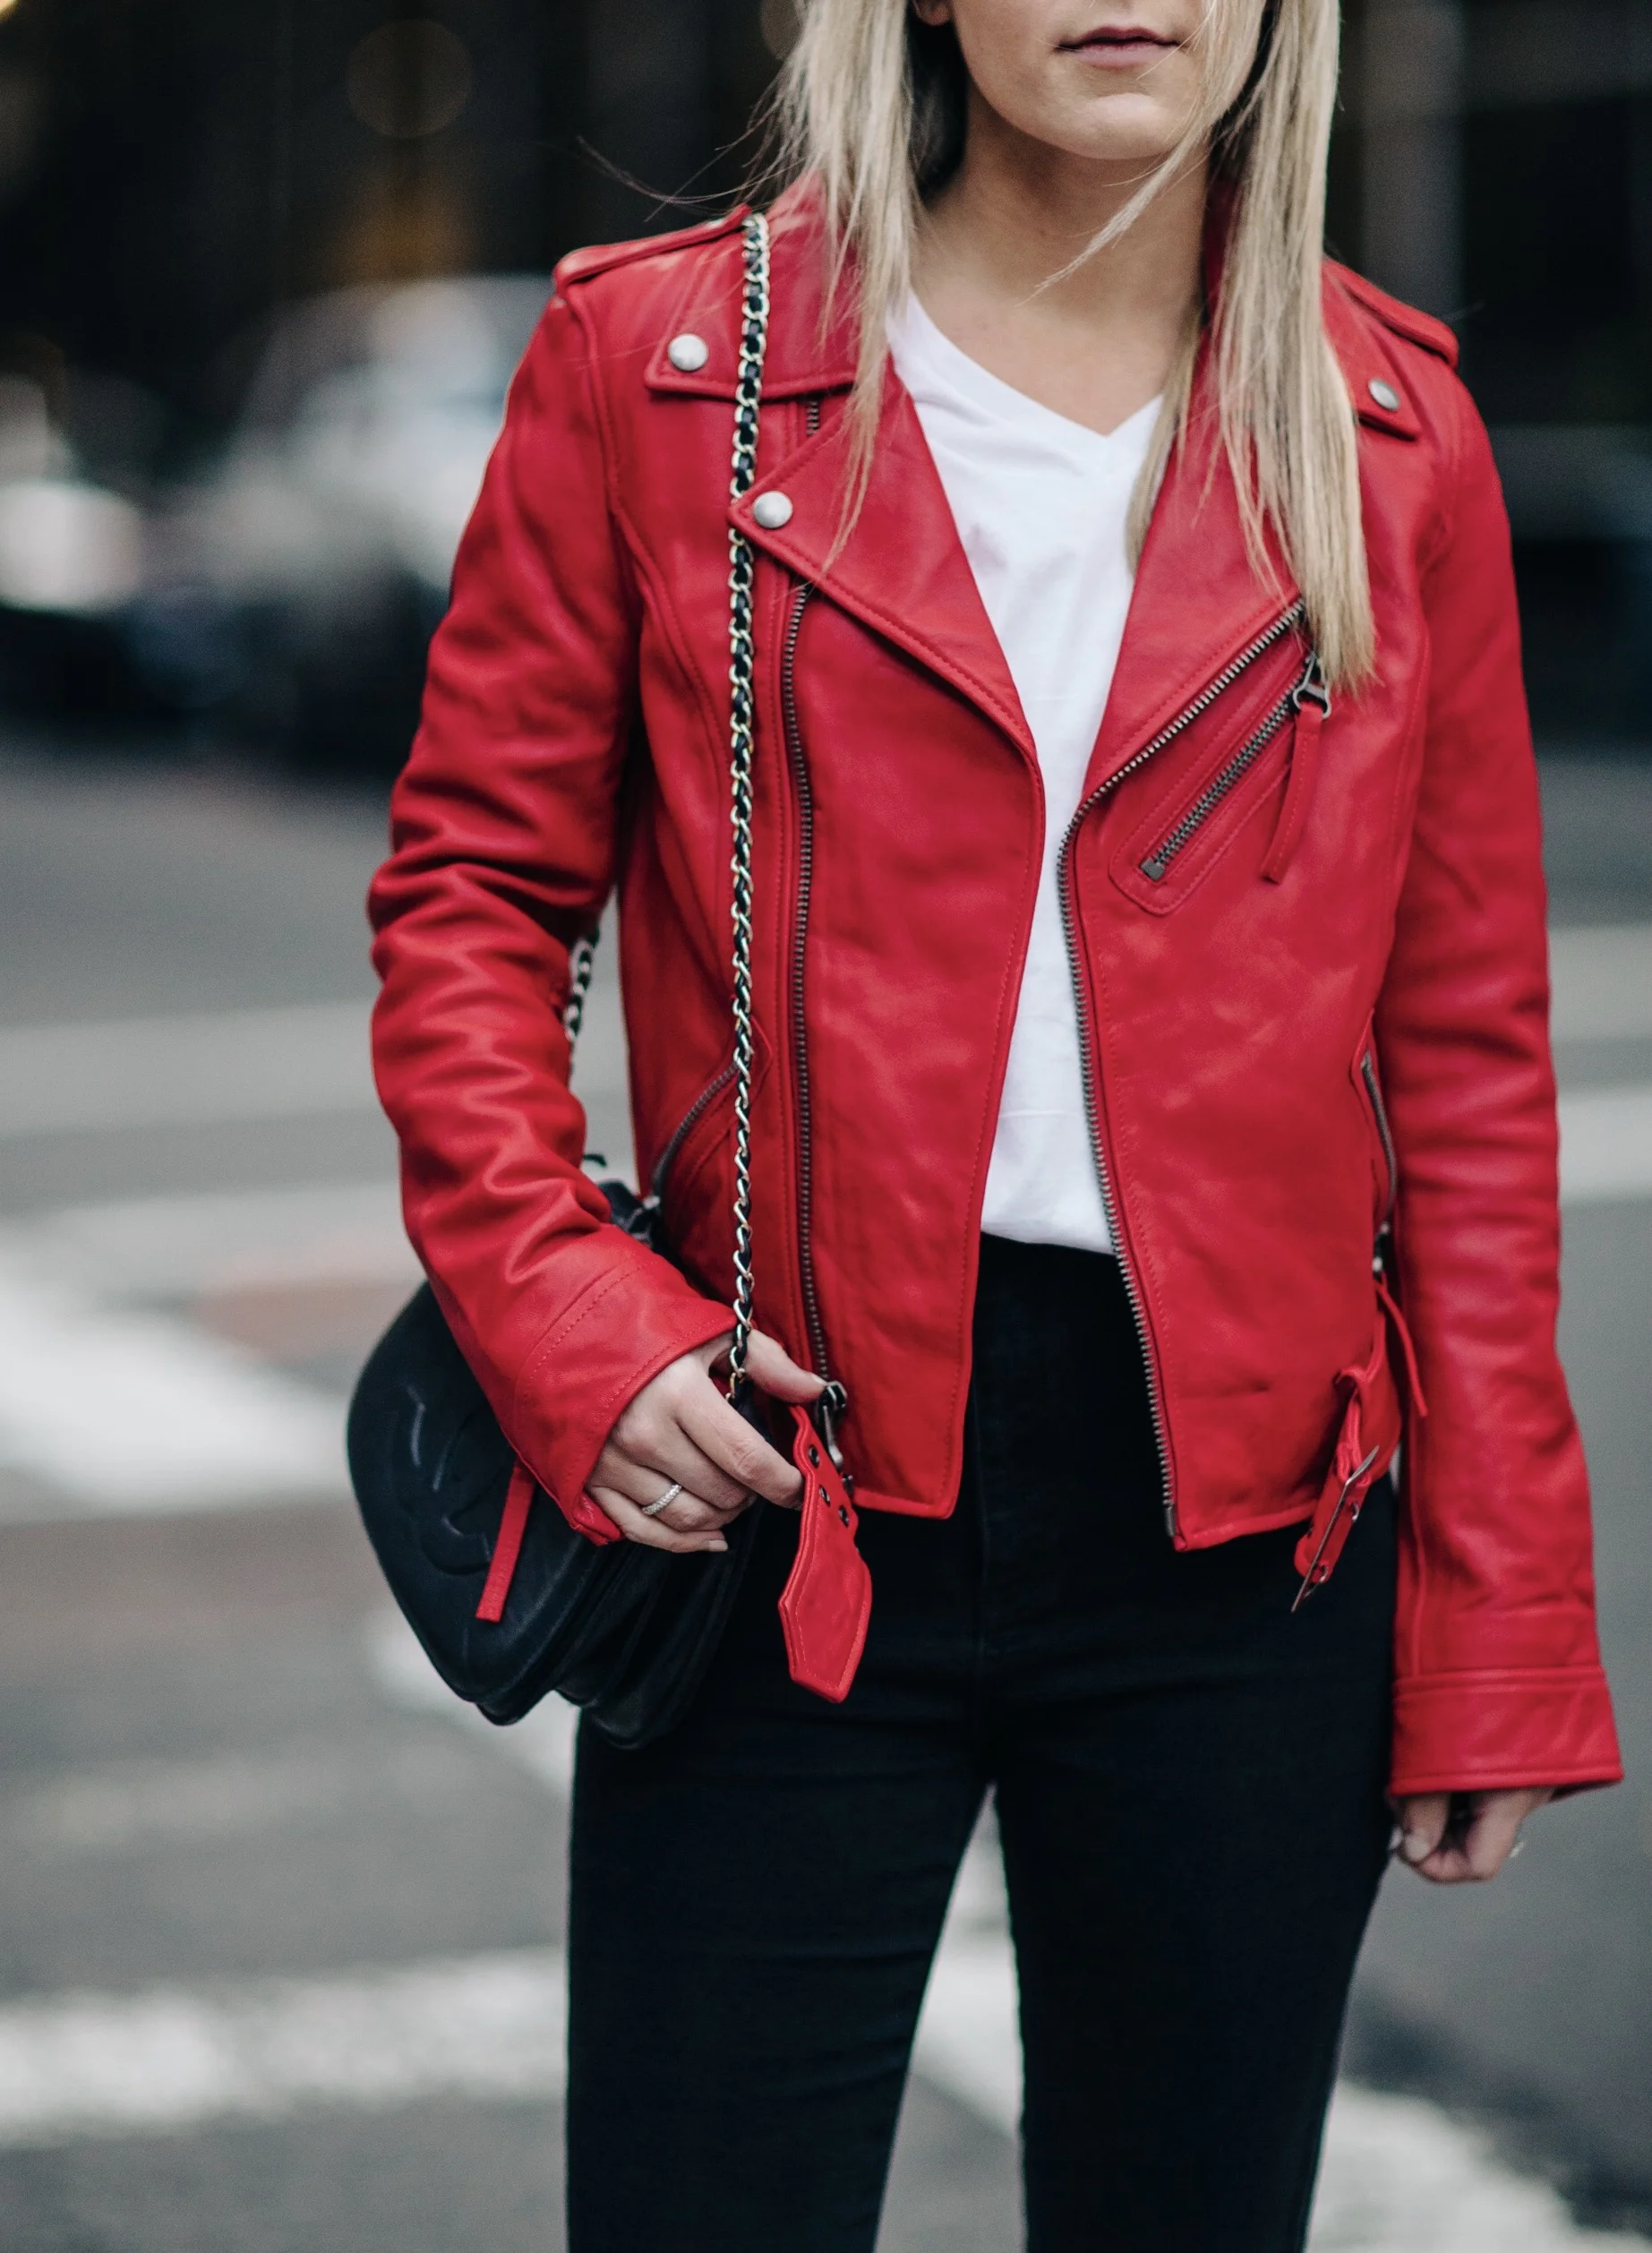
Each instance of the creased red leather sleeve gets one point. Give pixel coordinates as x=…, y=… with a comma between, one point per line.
x=503, y=851
x=1499, y=1680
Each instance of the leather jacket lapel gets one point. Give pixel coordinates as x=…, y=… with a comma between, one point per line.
x=899, y=567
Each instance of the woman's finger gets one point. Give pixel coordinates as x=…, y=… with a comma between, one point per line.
x=729, y=1441
x=1494, y=1828
x=685, y=1512
x=1422, y=1826
x=1473, y=1848
x=671, y=1457
x=1489, y=1834
x=652, y=1533
x=772, y=1370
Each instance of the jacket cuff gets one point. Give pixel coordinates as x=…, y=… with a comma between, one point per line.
x=620, y=1332
x=1503, y=1730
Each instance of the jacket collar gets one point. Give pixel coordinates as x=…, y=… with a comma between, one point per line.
x=899, y=567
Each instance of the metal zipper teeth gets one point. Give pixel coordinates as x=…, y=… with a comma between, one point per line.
x=684, y=1128
x=1184, y=719
x=1157, y=864
x=800, y=943
x=1390, y=1156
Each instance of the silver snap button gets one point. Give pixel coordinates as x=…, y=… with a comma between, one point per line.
x=687, y=353
x=771, y=510
x=1384, y=394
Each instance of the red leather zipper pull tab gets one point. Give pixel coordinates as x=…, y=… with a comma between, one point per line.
x=1313, y=702
x=827, y=1604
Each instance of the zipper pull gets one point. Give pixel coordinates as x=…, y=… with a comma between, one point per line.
x=829, y=1409
x=1312, y=699
x=826, y=1603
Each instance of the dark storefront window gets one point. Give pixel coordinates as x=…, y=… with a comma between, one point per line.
x=1498, y=170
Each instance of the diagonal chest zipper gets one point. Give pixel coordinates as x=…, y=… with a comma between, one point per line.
x=1248, y=753
x=1310, y=686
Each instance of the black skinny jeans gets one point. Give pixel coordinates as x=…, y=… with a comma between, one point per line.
x=1190, y=1795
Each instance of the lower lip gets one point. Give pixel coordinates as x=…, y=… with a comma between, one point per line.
x=1123, y=54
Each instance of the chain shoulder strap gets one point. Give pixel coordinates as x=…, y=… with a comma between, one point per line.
x=748, y=393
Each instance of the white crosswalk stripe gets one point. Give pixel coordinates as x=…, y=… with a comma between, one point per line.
x=178, y=2057
x=182, y=1246
x=114, y=1410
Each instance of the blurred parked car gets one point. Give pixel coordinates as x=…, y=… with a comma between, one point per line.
x=292, y=592
x=71, y=563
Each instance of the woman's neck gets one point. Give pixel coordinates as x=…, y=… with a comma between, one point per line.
x=1097, y=344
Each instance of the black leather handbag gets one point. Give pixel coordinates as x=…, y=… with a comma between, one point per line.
x=509, y=1601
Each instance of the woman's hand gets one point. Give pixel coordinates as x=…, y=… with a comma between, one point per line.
x=680, y=1427
x=1462, y=1837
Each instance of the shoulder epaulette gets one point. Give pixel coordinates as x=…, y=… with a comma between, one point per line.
x=580, y=265
x=1405, y=320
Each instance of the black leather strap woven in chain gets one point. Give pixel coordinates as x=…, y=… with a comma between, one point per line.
x=747, y=391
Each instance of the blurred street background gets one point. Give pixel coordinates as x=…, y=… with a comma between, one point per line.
x=279, y=1924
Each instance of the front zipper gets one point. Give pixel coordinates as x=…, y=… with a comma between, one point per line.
x=799, y=944
x=1312, y=684
x=1184, y=720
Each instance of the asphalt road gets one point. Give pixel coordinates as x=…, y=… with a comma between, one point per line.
x=278, y=1925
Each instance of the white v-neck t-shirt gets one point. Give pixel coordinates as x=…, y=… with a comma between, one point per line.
x=1040, y=505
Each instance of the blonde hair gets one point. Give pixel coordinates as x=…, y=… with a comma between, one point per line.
x=873, y=102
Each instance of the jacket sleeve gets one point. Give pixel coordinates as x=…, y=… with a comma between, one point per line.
x=503, y=838
x=1498, y=1679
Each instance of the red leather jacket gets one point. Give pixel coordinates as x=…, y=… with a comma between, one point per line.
x=1309, y=950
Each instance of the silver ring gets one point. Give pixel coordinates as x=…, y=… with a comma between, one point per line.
x=653, y=1508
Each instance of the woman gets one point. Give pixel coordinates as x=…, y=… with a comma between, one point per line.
x=1127, y=990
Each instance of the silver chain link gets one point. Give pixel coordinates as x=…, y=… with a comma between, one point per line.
x=581, y=963
x=748, y=390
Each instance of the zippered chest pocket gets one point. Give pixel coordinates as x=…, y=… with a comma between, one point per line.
x=1171, y=851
